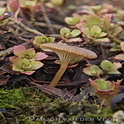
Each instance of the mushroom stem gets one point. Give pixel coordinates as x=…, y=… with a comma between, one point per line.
x=59, y=74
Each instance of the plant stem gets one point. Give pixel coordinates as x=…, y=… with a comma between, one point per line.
x=27, y=28
x=51, y=28
x=59, y=74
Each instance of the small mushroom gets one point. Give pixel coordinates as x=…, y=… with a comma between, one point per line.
x=66, y=55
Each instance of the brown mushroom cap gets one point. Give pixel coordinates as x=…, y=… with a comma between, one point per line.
x=60, y=47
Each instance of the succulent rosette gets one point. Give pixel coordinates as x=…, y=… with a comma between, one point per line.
x=95, y=33
x=26, y=61
x=43, y=39
x=105, y=90
x=25, y=66
x=30, y=54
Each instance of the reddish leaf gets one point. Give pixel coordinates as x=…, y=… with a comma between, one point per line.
x=14, y=5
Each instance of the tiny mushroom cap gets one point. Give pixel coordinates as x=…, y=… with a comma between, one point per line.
x=66, y=54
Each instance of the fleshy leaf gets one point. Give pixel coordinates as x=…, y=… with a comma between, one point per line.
x=114, y=72
x=41, y=56
x=17, y=68
x=95, y=30
x=57, y=2
x=13, y=5
x=106, y=65
x=28, y=72
x=122, y=46
x=40, y=39
x=65, y=32
x=102, y=34
x=25, y=66
x=107, y=22
x=18, y=50
x=92, y=20
x=102, y=84
x=87, y=32
x=117, y=65
x=93, y=70
x=2, y=10
x=93, y=84
x=36, y=65
x=51, y=40
x=43, y=39
x=28, y=54
x=102, y=40
x=72, y=20
x=74, y=40
x=75, y=33
x=119, y=56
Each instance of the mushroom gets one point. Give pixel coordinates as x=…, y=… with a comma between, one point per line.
x=66, y=55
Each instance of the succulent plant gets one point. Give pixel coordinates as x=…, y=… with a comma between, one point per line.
x=25, y=66
x=43, y=39
x=95, y=34
x=57, y=2
x=106, y=67
x=30, y=54
x=105, y=90
x=2, y=10
x=72, y=20
x=93, y=70
x=67, y=33
x=109, y=67
x=26, y=61
x=54, y=3
x=120, y=56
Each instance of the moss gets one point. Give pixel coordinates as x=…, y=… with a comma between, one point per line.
x=28, y=105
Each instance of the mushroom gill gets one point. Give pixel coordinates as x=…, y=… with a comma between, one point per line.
x=66, y=54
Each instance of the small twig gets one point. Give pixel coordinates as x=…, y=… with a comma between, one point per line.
x=47, y=18
x=10, y=50
x=41, y=24
x=54, y=35
x=26, y=27
x=103, y=52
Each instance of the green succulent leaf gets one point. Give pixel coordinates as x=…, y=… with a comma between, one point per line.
x=25, y=66
x=122, y=46
x=72, y=20
x=92, y=20
x=57, y=2
x=75, y=33
x=102, y=40
x=114, y=72
x=93, y=70
x=36, y=65
x=115, y=47
x=106, y=65
x=106, y=24
x=95, y=30
x=87, y=32
x=2, y=10
x=115, y=30
x=43, y=39
x=102, y=84
x=65, y=32
x=28, y=54
x=51, y=40
x=95, y=34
